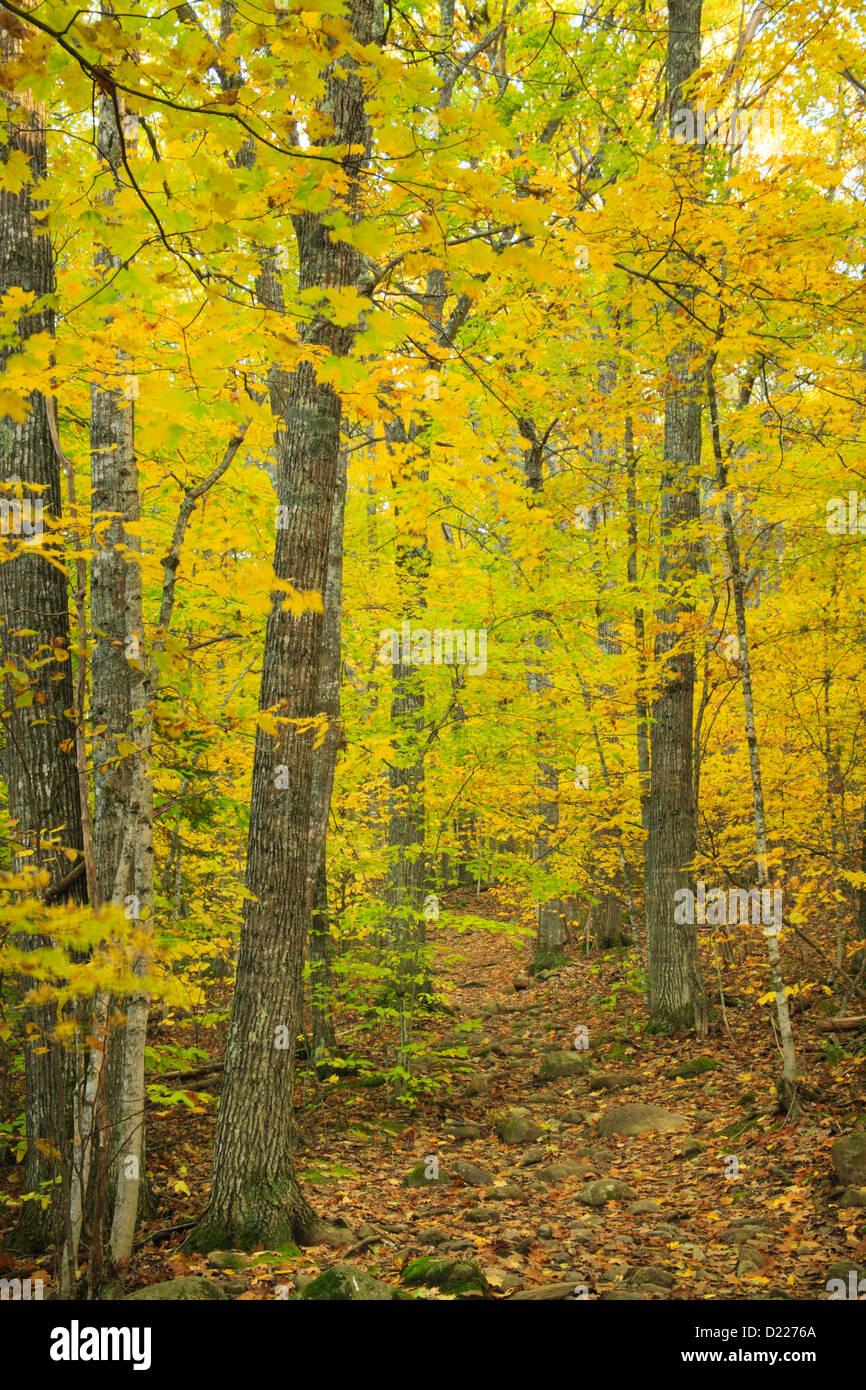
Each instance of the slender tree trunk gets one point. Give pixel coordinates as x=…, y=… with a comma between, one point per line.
x=130, y=1135
x=324, y=764
x=90, y=1119
x=407, y=865
x=641, y=708
x=550, y=926
x=787, y=1086
x=834, y=790
x=114, y=502
x=407, y=859
x=610, y=930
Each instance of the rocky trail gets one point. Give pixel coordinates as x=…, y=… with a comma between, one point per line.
x=569, y=1156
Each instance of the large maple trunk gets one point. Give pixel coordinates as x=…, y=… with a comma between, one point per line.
x=255, y=1195
x=39, y=762
x=675, y=985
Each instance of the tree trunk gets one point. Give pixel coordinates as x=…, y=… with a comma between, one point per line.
x=610, y=929
x=255, y=1195
x=550, y=927
x=114, y=490
x=39, y=761
x=407, y=867
x=641, y=709
x=676, y=990
x=324, y=764
x=787, y=1086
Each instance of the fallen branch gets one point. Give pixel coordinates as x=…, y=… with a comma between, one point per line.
x=804, y=936
x=186, y=1075
x=362, y=1244
x=62, y=887
x=840, y=1025
x=160, y=1235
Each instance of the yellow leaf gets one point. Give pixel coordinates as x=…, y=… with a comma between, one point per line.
x=15, y=406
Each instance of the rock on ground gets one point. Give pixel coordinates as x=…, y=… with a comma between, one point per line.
x=343, y=1283
x=517, y=1127
x=640, y=1119
x=558, y=1064
x=471, y=1174
x=595, y=1194
x=848, y=1157
x=449, y=1276
x=190, y=1288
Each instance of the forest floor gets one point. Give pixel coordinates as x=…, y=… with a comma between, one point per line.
x=731, y=1201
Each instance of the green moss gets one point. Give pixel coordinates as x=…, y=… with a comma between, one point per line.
x=345, y=1284
x=665, y=1021
x=735, y=1130
x=207, y=1236
x=277, y=1257
x=327, y=1287
x=550, y=958
x=450, y=1276
x=187, y=1289
x=696, y=1066
x=418, y=1176
x=231, y=1259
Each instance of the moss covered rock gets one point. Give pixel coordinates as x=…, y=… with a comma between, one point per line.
x=345, y=1284
x=517, y=1127
x=558, y=1064
x=449, y=1276
x=614, y=1081
x=595, y=1194
x=235, y=1260
x=427, y=1174
x=696, y=1066
x=848, y=1157
x=640, y=1119
x=188, y=1289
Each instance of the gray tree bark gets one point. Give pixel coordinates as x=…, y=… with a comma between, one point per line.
x=787, y=1086
x=114, y=503
x=551, y=933
x=255, y=1194
x=324, y=766
x=676, y=990
x=38, y=757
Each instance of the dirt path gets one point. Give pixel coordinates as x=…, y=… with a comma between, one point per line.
x=506, y=1164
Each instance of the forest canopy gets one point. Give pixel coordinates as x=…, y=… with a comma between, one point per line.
x=431, y=603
